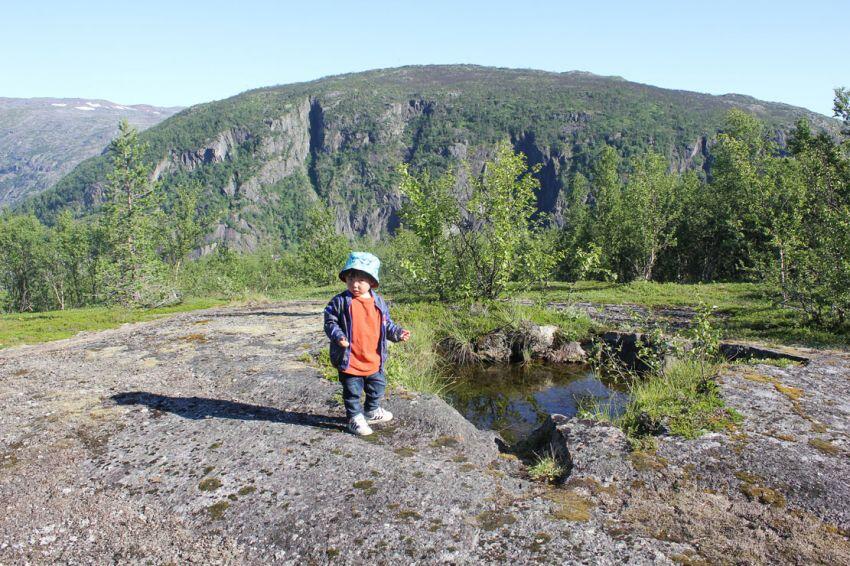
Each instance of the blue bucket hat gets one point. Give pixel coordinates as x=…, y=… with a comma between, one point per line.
x=362, y=261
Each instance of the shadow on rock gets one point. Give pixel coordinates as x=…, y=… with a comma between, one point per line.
x=197, y=408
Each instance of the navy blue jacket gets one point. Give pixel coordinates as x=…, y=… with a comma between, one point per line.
x=338, y=325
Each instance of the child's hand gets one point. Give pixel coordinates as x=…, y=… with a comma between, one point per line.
x=343, y=342
x=405, y=335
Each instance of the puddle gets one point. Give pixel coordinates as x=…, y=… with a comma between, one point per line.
x=513, y=400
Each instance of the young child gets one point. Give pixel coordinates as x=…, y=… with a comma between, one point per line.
x=358, y=324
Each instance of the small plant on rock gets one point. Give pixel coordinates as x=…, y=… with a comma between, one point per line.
x=546, y=469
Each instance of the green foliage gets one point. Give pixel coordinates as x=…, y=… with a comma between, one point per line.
x=475, y=249
x=841, y=109
x=498, y=221
x=184, y=228
x=131, y=224
x=679, y=399
x=429, y=214
x=676, y=392
x=228, y=274
x=546, y=469
x=620, y=230
x=322, y=251
x=816, y=265
x=652, y=208
x=23, y=258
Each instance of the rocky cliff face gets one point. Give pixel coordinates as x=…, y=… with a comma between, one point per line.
x=43, y=139
x=264, y=155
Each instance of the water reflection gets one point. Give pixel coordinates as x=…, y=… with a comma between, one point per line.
x=514, y=400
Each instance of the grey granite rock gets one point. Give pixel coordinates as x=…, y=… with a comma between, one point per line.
x=205, y=438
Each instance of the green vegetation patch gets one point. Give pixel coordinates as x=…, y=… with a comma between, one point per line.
x=744, y=310
x=762, y=494
x=546, y=468
x=34, y=328
x=216, y=510
x=569, y=505
x=209, y=484
x=492, y=520
x=683, y=398
x=824, y=446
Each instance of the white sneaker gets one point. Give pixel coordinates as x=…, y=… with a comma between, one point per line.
x=380, y=415
x=358, y=425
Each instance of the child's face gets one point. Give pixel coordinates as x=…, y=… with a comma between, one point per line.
x=358, y=283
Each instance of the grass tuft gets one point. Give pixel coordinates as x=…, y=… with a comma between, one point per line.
x=546, y=469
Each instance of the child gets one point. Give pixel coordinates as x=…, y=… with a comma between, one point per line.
x=358, y=323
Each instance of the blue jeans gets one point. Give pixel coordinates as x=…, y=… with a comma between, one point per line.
x=354, y=385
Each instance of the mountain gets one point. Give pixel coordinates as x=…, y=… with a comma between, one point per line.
x=265, y=154
x=43, y=139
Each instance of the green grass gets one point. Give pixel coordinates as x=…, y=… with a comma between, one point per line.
x=546, y=468
x=33, y=328
x=684, y=398
x=744, y=310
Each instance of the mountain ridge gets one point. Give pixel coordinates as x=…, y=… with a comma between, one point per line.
x=266, y=153
x=44, y=138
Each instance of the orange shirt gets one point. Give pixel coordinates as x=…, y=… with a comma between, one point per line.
x=365, y=336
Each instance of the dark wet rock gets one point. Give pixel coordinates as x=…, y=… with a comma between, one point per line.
x=745, y=351
x=538, y=339
x=585, y=448
x=493, y=348
x=568, y=352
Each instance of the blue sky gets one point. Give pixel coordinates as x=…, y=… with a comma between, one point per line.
x=186, y=52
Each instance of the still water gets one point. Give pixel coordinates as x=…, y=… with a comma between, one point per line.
x=514, y=400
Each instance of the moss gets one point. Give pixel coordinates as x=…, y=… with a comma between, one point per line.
x=593, y=486
x=215, y=446
x=444, y=442
x=492, y=520
x=405, y=452
x=197, y=338
x=782, y=436
x=380, y=434
x=644, y=461
x=747, y=477
x=364, y=484
x=209, y=484
x=332, y=553
x=216, y=510
x=824, y=446
x=763, y=494
x=570, y=505
x=689, y=558
x=408, y=515
x=208, y=469
x=792, y=393
x=9, y=459
x=819, y=428
x=247, y=489
x=539, y=540
x=467, y=467
x=459, y=459
x=757, y=377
